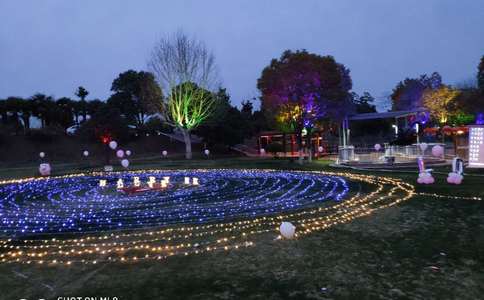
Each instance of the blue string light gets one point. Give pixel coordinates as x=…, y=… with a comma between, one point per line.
x=78, y=204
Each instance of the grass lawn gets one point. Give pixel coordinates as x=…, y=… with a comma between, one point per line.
x=424, y=248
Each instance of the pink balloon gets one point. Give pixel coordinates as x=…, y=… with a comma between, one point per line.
x=437, y=150
x=120, y=153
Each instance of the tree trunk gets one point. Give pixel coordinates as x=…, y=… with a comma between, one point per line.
x=188, y=143
x=309, y=146
x=300, y=148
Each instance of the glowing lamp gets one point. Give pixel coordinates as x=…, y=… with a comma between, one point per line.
x=102, y=183
x=120, y=183
x=195, y=181
x=187, y=180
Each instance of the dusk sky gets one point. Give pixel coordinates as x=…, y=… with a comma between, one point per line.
x=52, y=47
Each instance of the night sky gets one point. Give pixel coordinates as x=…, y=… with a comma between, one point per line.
x=54, y=46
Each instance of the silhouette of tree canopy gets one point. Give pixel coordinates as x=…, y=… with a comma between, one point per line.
x=136, y=94
x=407, y=95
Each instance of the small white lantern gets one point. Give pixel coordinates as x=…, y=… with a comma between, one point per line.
x=85, y=153
x=128, y=152
x=207, y=152
x=195, y=181
x=187, y=180
x=42, y=154
x=125, y=163
x=320, y=149
x=102, y=183
x=164, y=153
x=377, y=147
x=287, y=230
x=113, y=145
x=262, y=151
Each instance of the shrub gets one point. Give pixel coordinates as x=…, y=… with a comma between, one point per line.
x=44, y=135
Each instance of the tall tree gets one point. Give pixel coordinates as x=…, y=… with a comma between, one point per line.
x=300, y=89
x=3, y=111
x=65, y=108
x=81, y=106
x=226, y=126
x=43, y=108
x=82, y=93
x=480, y=75
x=441, y=103
x=408, y=94
x=364, y=103
x=186, y=68
x=26, y=108
x=136, y=94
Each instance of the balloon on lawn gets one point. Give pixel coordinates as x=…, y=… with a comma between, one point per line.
x=424, y=175
x=42, y=154
x=287, y=230
x=437, y=151
x=125, y=163
x=113, y=145
x=120, y=153
x=85, y=153
x=377, y=147
x=456, y=177
x=128, y=152
x=44, y=169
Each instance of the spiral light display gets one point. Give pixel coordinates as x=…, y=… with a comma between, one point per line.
x=70, y=219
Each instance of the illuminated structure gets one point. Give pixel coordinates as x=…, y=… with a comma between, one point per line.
x=476, y=146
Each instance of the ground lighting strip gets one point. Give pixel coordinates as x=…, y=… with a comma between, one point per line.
x=150, y=244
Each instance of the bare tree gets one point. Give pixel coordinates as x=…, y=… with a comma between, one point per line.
x=186, y=69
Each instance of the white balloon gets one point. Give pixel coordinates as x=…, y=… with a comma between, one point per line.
x=113, y=145
x=125, y=163
x=437, y=150
x=377, y=147
x=320, y=148
x=85, y=153
x=423, y=146
x=164, y=153
x=128, y=152
x=207, y=152
x=287, y=230
x=42, y=154
x=120, y=153
x=44, y=169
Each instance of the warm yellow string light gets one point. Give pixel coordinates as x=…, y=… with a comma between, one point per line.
x=136, y=245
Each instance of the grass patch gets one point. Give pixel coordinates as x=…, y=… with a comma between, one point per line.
x=425, y=248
